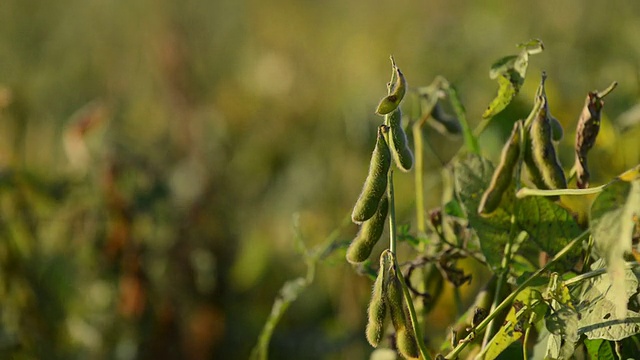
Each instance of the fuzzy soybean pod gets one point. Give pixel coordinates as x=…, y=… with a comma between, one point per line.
x=377, y=310
x=543, y=150
x=376, y=183
x=397, y=90
x=503, y=173
x=369, y=234
x=405, y=336
x=400, y=150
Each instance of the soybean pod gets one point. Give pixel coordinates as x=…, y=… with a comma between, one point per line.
x=377, y=310
x=369, y=234
x=443, y=122
x=396, y=90
x=503, y=173
x=543, y=150
x=587, y=132
x=535, y=175
x=557, y=132
x=400, y=150
x=405, y=336
x=376, y=183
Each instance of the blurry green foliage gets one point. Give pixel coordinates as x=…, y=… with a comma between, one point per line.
x=152, y=153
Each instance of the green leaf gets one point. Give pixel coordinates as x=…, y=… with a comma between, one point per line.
x=599, y=349
x=472, y=176
x=502, y=66
x=597, y=307
x=549, y=225
x=453, y=208
x=611, y=223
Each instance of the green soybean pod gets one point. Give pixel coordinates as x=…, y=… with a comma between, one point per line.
x=396, y=92
x=377, y=310
x=557, y=132
x=503, y=173
x=400, y=150
x=532, y=169
x=376, y=183
x=543, y=150
x=407, y=344
x=369, y=234
x=395, y=301
x=405, y=337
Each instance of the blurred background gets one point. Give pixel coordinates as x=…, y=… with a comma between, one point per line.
x=153, y=156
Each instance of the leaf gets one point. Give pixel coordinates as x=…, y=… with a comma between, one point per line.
x=528, y=301
x=599, y=349
x=611, y=223
x=502, y=66
x=510, y=72
x=507, y=90
x=550, y=226
x=597, y=307
x=563, y=323
x=453, y=208
x=533, y=46
x=472, y=175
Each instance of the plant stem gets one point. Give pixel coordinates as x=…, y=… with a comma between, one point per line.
x=509, y=299
x=418, y=143
x=524, y=192
x=293, y=288
x=419, y=178
x=598, y=272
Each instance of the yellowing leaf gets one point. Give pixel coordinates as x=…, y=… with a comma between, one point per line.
x=597, y=307
x=507, y=90
x=611, y=223
x=517, y=322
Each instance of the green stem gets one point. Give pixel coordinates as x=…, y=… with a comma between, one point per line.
x=509, y=299
x=418, y=142
x=419, y=178
x=524, y=192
